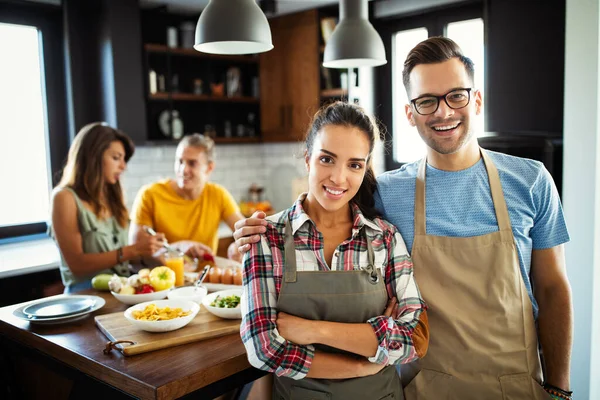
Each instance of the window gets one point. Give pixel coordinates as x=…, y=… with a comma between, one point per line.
x=462, y=24
x=469, y=35
x=408, y=145
x=23, y=143
x=33, y=114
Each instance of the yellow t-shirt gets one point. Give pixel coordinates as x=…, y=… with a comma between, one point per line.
x=158, y=205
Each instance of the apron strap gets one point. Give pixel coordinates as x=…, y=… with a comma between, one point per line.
x=420, y=227
x=500, y=208
x=370, y=252
x=371, y=270
x=290, y=254
x=497, y=195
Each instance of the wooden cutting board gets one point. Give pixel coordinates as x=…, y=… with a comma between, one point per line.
x=204, y=326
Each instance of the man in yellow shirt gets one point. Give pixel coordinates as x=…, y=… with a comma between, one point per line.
x=187, y=209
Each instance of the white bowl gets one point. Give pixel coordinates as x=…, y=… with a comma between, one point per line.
x=188, y=293
x=227, y=313
x=140, y=298
x=168, y=325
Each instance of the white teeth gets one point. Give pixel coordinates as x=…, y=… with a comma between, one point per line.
x=334, y=192
x=444, y=128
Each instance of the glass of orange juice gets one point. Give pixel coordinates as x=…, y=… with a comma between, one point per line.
x=174, y=260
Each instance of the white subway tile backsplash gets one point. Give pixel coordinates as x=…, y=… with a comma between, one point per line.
x=162, y=167
x=237, y=167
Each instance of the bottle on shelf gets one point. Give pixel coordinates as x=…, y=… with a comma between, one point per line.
x=161, y=83
x=176, y=125
x=198, y=86
x=187, y=34
x=152, y=81
x=172, y=37
x=227, y=129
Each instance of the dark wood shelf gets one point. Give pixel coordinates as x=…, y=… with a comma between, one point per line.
x=246, y=139
x=162, y=49
x=163, y=96
x=334, y=92
x=218, y=140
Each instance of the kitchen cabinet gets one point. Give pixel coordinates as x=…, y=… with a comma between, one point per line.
x=212, y=94
x=289, y=77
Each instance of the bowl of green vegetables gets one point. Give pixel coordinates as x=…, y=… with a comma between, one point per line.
x=224, y=303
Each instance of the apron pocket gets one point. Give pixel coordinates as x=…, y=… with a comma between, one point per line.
x=428, y=385
x=538, y=391
x=522, y=387
x=388, y=397
x=300, y=393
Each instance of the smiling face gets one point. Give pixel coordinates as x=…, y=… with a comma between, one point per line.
x=447, y=130
x=113, y=162
x=192, y=167
x=337, y=166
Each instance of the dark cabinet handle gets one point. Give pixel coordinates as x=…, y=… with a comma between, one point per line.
x=290, y=117
x=282, y=117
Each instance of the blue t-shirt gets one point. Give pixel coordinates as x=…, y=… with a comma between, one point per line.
x=459, y=204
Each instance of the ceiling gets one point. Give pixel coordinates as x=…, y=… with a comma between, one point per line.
x=196, y=6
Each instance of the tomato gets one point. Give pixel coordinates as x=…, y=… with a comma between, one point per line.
x=145, y=288
x=162, y=278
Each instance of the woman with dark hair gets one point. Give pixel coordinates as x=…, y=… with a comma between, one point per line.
x=330, y=303
x=89, y=218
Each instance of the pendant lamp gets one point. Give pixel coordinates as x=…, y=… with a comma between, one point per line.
x=233, y=27
x=354, y=42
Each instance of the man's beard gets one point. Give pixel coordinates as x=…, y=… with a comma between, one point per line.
x=442, y=146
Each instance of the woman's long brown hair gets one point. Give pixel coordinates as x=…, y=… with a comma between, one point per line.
x=83, y=171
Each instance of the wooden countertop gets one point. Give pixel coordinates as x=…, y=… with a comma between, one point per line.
x=161, y=374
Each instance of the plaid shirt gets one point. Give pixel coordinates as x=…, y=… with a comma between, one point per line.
x=263, y=270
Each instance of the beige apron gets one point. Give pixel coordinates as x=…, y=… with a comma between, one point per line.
x=340, y=296
x=483, y=342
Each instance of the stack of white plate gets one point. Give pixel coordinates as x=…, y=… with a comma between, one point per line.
x=59, y=309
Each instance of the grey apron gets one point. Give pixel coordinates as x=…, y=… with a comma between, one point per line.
x=340, y=296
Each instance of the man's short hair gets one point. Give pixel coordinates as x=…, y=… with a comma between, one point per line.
x=200, y=141
x=435, y=50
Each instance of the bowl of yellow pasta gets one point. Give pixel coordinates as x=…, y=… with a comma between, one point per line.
x=162, y=315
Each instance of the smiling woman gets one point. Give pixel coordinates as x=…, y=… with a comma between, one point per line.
x=331, y=258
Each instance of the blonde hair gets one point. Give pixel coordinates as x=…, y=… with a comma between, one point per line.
x=200, y=141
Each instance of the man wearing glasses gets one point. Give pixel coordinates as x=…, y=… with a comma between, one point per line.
x=484, y=229
x=486, y=232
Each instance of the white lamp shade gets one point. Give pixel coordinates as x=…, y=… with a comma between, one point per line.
x=354, y=43
x=233, y=27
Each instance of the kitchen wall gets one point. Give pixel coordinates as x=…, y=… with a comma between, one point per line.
x=237, y=167
x=273, y=166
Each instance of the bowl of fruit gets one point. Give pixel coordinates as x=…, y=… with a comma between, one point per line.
x=146, y=285
x=224, y=304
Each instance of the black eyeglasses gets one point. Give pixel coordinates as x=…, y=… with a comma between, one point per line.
x=455, y=99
